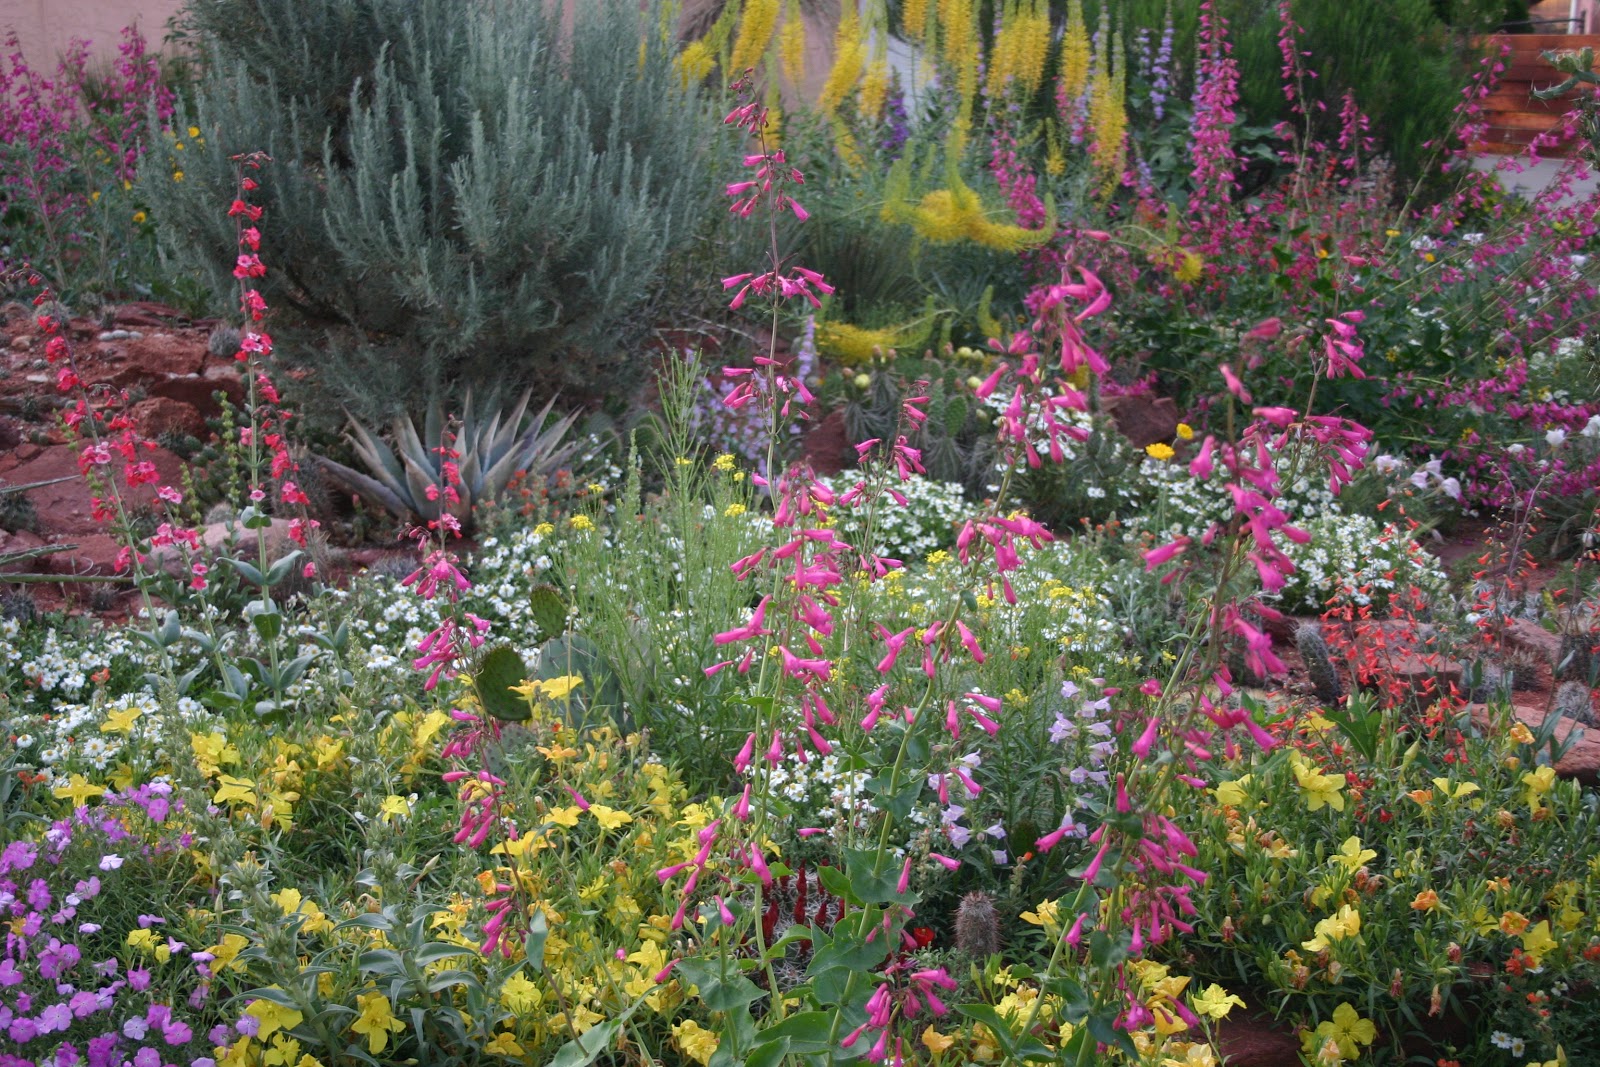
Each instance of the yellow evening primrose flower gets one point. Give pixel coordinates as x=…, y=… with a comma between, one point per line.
x=375, y=1020
x=1346, y=922
x=226, y=951
x=1538, y=784
x=1455, y=792
x=1214, y=1002
x=1537, y=942
x=231, y=789
x=567, y=816
x=78, y=790
x=609, y=818
x=1199, y=1054
x=394, y=807
x=505, y=1045
x=1320, y=789
x=1349, y=1030
x=1048, y=915
x=519, y=996
x=1232, y=793
x=1512, y=923
x=695, y=1041
x=1423, y=797
x=120, y=722
x=1352, y=855
x=272, y=1017
x=935, y=1042
x=1521, y=734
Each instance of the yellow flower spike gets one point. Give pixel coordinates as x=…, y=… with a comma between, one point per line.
x=375, y=1021
x=850, y=54
x=792, y=45
x=1075, y=53
x=756, y=24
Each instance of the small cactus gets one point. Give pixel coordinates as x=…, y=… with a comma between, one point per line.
x=1575, y=657
x=223, y=342
x=1574, y=700
x=1487, y=682
x=548, y=610
x=20, y=607
x=977, y=926
x=1320, y=667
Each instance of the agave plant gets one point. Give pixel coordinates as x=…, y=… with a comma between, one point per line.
x=492, y=446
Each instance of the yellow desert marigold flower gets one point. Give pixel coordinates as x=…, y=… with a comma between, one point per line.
x=1159, y=450
x=581, y=523
x=1185, y=431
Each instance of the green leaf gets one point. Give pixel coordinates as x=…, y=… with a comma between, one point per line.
x=717, y=993
x=246, y=570
x=803, y=1033
x=499, y=670
x=985, y=1014
x=584, y=1050
x=533, y=948
x=279, y=571
x=769, y=1054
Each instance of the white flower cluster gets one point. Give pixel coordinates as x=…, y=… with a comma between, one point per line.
x=822, y=791
x=506, y=568
x=1349, y=555
x=1352, y=557
x=926, y=522
x=76, y=737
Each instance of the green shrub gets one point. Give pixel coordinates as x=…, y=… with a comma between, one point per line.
x=457, y=189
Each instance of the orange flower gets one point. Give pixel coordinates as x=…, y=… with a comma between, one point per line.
x=1427, y=900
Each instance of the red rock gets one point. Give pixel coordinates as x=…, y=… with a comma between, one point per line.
x=165, y=355
x=145, y=313
x=93, y=553
x=827, y=447
x=1581, y=760
x=1533, y=639
x=158, y=415
x=1144, y=420
x=21, y=541
x=64, y=507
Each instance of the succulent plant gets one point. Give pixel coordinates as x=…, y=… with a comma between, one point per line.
x=977, y=926
x=1575, y=700
x=492, y=445
x=1320, y=667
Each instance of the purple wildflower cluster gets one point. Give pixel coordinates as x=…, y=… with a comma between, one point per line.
x=66, y=997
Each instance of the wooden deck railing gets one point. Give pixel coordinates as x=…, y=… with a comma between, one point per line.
x=1514, y=114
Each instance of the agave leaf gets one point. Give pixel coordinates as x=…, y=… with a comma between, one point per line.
x=371, y=488
x=378, y=457
x=419, y=481
x=433, y=421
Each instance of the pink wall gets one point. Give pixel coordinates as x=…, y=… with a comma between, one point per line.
x=45, y=26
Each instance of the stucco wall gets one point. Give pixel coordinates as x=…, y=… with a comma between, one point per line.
x=45, y=26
